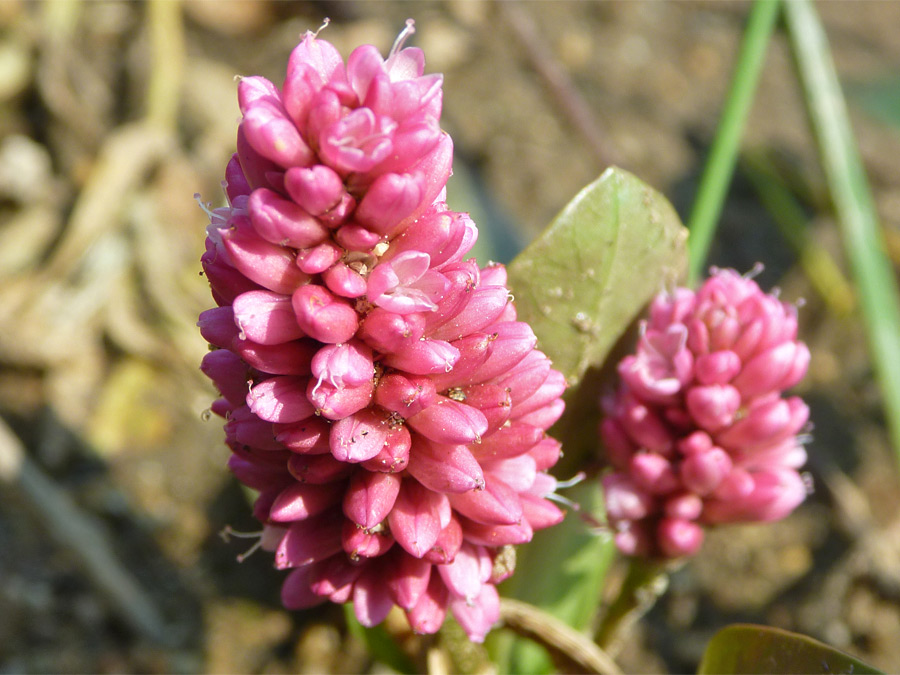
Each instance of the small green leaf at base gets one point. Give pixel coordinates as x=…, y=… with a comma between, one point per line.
x=751, y=650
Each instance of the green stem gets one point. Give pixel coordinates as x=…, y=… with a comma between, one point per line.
x=853, y=203
x=723, y=155
x=644, y=583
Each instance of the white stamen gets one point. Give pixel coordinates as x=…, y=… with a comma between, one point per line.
x=404, y=34
x=324, y=25
x=226, y=533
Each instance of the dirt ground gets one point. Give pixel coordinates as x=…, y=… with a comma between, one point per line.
x=113, y=114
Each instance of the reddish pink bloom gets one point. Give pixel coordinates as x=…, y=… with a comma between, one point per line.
x=698, y=432
x=379, y=392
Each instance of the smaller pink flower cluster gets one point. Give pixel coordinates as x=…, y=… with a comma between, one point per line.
x=698, y=432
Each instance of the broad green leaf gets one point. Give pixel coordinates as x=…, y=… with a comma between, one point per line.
x=584, y=281
x=752, y=649
x=580, y=284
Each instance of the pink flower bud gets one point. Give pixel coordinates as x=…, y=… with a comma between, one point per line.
x=316, y=189
x=323, y=316
x=409, y=580
x=248, y=429
x=288, y=358
x=661, y=366
x=513, y=341
x=624, y=499
x=424, y=357
x=717, y=368
x=768, y=422
x=359, y=543
x=343, y=365
x=405, y=395
x=228, y=373
x=225, y=282
x=359, y=437
x=388, y=332
x=447, y=469
x=296, y=592
x=266, y=318
x=702, y=472
x=678, y=537
x=540, y=513
x=653, y=473
x=355, y=237
x=335, y=575
x=217, y=326
x=447, y=545
x=449, y=421
x=335, y=403
x=713, y=407
x=777, y=368
x=273, y=134
x=394, y=456
x=496, y=504
x=545, y=417
x=370, y=497
x=494, y=402
x=300, y=501
x=267, y=264
x=479, y=616
x=428, y=614
x=517, y=472
x=465, y=576
x=357, y=142
x=511, y=441
x=317, y=469
x=280, y=399
x=307, y=541
x=497, y=535
x=437, y=233
x=319, y=258
x=684, y=506
x=309, y=437
x=236, y=184
x=281, y=221
x=371, y=598
x=313, y=64
x=546, y=454
x=418, y=518
x=254, y=166
x=551, y=390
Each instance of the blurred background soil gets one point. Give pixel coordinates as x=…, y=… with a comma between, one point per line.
x=113, y=114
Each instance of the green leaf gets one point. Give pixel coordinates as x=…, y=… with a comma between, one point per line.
x=580, y=284
x=584, y=281
x=760, y=649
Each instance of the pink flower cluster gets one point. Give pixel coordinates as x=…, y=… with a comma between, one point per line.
x=379, y=392
x=698, y=432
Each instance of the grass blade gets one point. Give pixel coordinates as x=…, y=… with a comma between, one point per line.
x=853, y=203
x=724, y=153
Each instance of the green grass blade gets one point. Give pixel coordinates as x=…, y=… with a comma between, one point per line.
x=852, y=197
x=724, y=153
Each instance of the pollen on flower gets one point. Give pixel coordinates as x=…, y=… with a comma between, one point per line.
x=699, y=432
x=360, y=356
